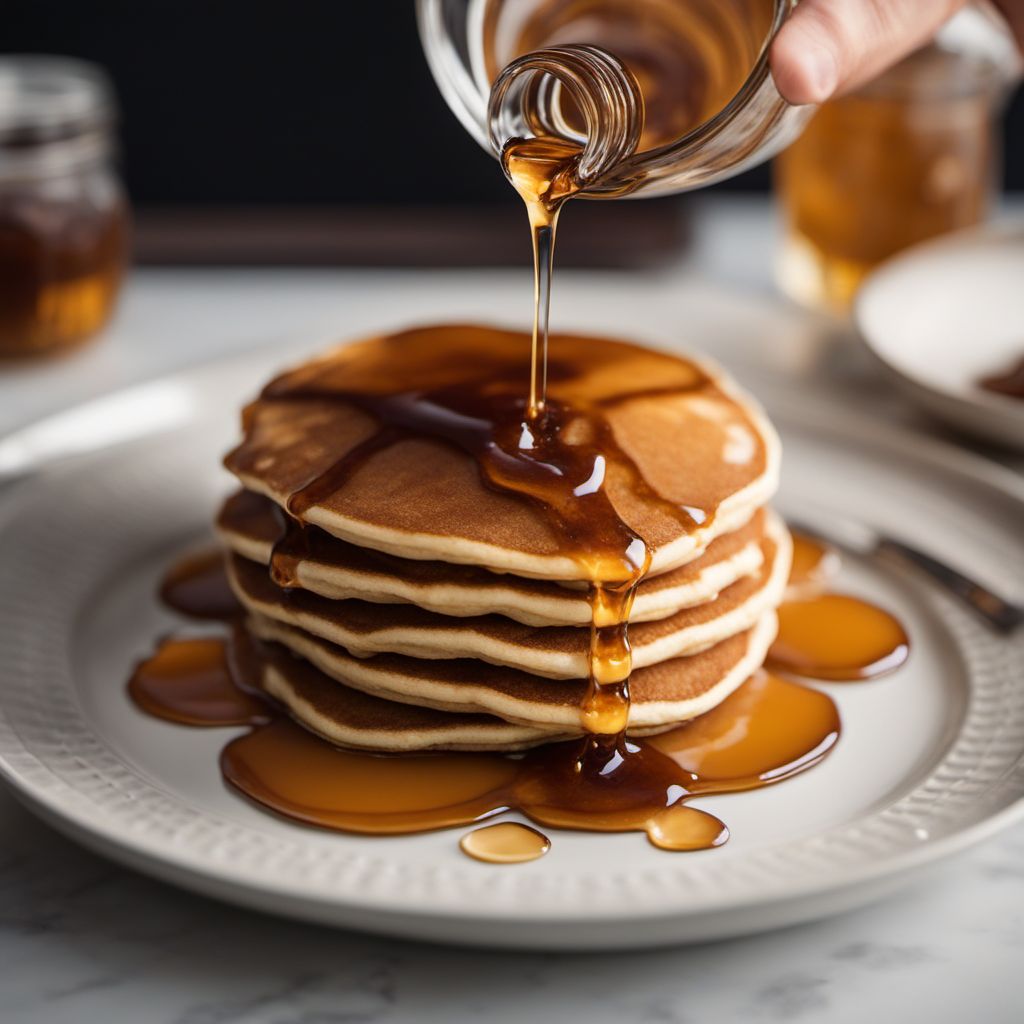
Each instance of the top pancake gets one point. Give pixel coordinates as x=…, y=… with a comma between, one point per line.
x=694, y=441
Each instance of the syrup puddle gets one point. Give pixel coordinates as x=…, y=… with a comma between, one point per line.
x=188, y=681
x=197, y=587
x=839, y=638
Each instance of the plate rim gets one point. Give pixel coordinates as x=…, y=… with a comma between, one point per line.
x=186, y=866
x=998, y=411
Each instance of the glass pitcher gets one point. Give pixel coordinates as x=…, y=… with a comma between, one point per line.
x=700, y=67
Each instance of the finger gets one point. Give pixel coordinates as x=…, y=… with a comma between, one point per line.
x=830, y=46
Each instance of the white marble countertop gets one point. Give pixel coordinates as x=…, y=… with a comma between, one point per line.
x=85, y=942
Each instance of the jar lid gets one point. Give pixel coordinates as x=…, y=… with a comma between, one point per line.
x=45, y=98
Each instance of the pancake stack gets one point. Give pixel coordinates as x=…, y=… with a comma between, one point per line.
x=418, y=606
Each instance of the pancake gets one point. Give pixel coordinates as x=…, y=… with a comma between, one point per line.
x=249, y=524
x=694, y=440
x=558, y=652
x=662, y=695
x=350, y=718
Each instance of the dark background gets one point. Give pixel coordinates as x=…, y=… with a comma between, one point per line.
x=305, y=130
x=290, y=101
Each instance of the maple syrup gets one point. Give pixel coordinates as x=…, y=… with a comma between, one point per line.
x=508, y=842
x=812, y=566
x=544, y=171
x=60, y=272
x=769, y=729
x=189, y=681
x=766, y=731
x=197, y=586
x=906, y=158
x=838, y=637
x=63, y=216
x=690, y=59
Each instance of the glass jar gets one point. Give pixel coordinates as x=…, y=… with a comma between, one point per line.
x=63, y=215
x=909, y=156
x=701, y=67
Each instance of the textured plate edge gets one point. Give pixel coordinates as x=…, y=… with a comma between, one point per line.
x=987, y=417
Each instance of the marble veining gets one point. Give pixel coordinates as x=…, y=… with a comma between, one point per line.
x=86, y=942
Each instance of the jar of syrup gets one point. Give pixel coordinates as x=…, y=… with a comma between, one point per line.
x=63, y=214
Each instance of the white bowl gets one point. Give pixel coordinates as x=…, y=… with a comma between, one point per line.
x=944, y=314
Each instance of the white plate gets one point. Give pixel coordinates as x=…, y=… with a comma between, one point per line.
x=946, y=313
x=929, y=762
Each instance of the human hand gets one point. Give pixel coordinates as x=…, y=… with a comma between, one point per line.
x=832, y=46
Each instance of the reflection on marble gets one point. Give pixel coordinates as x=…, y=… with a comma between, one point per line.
x=85, y=942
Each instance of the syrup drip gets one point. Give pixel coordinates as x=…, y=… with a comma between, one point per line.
x=1010, y=382
x=508, y=842
x=766, y=731
x=198, y=587
x=838, y=637
x=544, y=173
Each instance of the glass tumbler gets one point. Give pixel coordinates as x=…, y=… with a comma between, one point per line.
x=910, y=156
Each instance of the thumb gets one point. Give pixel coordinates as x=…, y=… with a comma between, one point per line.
x=829, y=46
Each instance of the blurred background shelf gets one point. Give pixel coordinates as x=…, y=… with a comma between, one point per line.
x=320, y=137
x=645, y=235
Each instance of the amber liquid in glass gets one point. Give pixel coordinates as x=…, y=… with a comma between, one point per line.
x=61, y=263
x=907, y=159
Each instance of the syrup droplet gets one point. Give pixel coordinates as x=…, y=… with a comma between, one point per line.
x=680, y=828
x=197, y=586
x=189, y=681
x=508, y=842
x=838, y=637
